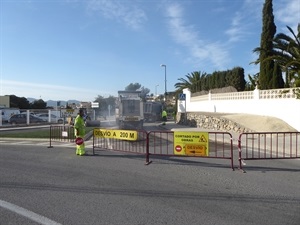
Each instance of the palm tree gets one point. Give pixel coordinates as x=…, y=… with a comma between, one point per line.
x=287, y=54
x=195, y=82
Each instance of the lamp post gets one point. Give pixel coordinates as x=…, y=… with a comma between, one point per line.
x=162, y=65
x=156, y=89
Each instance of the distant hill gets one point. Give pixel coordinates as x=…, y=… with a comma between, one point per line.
x=31, y=100
x=53, y=103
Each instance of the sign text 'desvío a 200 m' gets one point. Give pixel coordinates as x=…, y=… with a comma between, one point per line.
x=130, y=135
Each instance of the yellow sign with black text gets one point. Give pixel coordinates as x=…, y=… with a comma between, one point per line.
x=191, y=143
x=129, y=135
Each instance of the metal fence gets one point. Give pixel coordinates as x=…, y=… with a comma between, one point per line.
x=268, y=145
x=138, y=146
x=161, y=143
x=61, y=133
x=23, y=117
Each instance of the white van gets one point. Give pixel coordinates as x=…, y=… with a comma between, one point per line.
x=6, y=113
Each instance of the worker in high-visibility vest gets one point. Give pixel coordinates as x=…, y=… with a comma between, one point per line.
x=164, y=116
x=79, y=127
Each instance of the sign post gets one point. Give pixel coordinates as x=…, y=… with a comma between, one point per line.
x=109, y=108
x=95, y=105
x=182, y=97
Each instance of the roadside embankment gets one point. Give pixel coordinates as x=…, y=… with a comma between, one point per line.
x=238, y=123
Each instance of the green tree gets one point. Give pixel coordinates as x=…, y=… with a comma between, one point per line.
x=253, y=81
x=144, y=93
x=236, y=78
x=221, y=79
x=197, y=81
x=38, y=104
x=133, y=87
x=102, y=103
x=19, y=102
x=105, y=102
x=137, y=86
x=270, y=75
x=193, y=82
x=111, y=100
x=286, y=53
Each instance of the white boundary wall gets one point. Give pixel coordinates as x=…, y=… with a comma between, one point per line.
x=280, y=103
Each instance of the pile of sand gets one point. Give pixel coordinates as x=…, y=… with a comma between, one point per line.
x=260, y=123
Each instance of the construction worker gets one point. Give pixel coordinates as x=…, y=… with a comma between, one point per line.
x=164, y=117
x=80, y=132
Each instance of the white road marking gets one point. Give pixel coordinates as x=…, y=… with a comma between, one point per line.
x=26, y=213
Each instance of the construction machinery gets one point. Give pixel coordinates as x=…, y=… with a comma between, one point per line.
x=152, y=111
x=129, y=110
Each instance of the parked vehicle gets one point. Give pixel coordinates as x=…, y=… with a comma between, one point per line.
x=30, y=113
x=6, y=113
x=22, y=119
x=53, y=119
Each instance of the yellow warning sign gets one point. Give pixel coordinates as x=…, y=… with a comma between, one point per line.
x=203, y=139
x=191, y=143
x=195, y=149
x=129, y=135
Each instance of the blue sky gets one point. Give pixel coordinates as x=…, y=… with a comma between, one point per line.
x=79, y=49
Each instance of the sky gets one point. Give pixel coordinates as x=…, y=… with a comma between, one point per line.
x=82, y=49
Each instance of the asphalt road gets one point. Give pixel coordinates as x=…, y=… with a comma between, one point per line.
x=40, y=185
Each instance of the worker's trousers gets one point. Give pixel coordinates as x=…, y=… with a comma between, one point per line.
x=80, y=149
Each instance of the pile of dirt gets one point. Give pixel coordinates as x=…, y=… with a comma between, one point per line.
x=260, y=123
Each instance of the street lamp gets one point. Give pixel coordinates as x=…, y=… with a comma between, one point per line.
x=162, y=65
x=156, y=89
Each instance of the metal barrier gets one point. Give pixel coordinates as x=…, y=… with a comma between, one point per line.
x=137, y=146
x=161, y=143
x=268, y=145
x=61, y=133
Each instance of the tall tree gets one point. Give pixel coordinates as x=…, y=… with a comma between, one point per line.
x=193, y=81
x=144, y=93
x=270, y=75
x=133, y=87
x=102, y=103
x=236, y=78
x=38, y=104
x=19, y=102
x=253, y=81
x=138, y=86
x=287, y=55
x=111, y=100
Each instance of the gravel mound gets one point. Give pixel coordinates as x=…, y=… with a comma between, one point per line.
x=260, y=123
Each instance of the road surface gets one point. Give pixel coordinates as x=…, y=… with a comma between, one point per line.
x=41, y=185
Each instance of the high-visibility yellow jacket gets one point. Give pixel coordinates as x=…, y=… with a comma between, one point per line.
x=164, y=113
x=79, y=127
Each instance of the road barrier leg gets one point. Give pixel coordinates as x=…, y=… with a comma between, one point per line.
x=147, y=150
x=50, y=137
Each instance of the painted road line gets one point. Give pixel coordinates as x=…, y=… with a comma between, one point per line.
x=26, y=213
